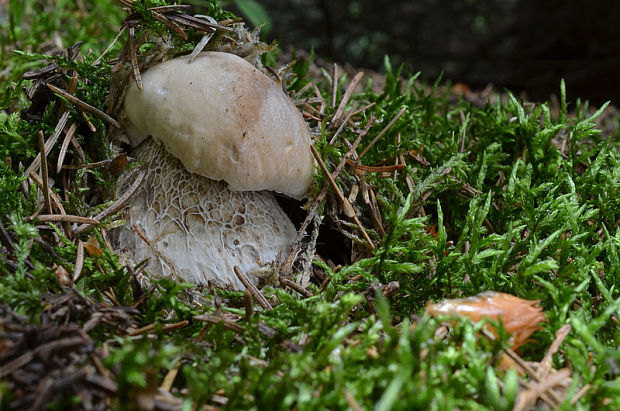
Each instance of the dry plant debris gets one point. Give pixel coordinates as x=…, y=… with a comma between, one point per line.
x=426, y=192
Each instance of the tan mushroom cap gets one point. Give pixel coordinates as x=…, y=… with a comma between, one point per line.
x=225, y=120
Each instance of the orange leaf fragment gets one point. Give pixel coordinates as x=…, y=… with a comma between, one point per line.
x=520, y=317
x=92, y=247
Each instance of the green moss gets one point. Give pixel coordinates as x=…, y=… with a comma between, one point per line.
x=505, y=195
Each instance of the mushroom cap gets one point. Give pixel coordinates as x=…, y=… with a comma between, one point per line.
x=225, y=120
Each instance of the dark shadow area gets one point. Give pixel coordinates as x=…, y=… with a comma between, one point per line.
x=524, y=45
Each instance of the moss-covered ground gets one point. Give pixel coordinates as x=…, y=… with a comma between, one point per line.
x=454, y=194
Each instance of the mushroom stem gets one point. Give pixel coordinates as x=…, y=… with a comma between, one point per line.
x=198, y=229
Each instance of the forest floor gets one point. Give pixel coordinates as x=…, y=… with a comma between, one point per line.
x=439, y=192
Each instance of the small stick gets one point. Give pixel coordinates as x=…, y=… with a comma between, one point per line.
x=46, y=193
x=84, y=106
x=347, y=207
x=385, y=129
x=262, y=301
x=97, y=164
x=296, y=287
x=79, y=261
x=165, y=328
x=248, y=302
x=78, y=149
x=317, y=93
x=363, y=109
x=66, y=218
x=344, y=123
x=170, y=24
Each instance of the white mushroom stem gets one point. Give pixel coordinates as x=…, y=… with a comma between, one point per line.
x=196, y=230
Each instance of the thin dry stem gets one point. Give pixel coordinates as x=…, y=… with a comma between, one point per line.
x=262, y=301
x=48, y=144
x=345, y=99
x=348, y=209
x=79, y=261
x=385, y=130
x=44, y=175
x=64, y=146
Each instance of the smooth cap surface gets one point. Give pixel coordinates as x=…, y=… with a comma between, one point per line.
x=225, y=120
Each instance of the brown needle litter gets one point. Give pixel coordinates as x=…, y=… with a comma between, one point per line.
x=84, y=106
x=385, y=130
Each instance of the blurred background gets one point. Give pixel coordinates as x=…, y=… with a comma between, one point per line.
x=524, y=45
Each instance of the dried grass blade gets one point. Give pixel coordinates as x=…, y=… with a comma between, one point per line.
x=348, y=209
x=196, y=23
x=199, y=47
x=79, y=261
x=345, y=99
x=48, y=144
x=213, y=319
x=334, y=84
x=120, y=33
x=44, y=176
x=64, y=146
x=385, y=129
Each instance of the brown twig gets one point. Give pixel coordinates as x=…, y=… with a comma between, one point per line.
x=262, y=301
x=121, y=31
x=296, y=287
x=59, y=218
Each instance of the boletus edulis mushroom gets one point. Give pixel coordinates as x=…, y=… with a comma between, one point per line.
x=217, y=136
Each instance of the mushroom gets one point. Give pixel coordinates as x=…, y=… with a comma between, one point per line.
x=222, y=134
